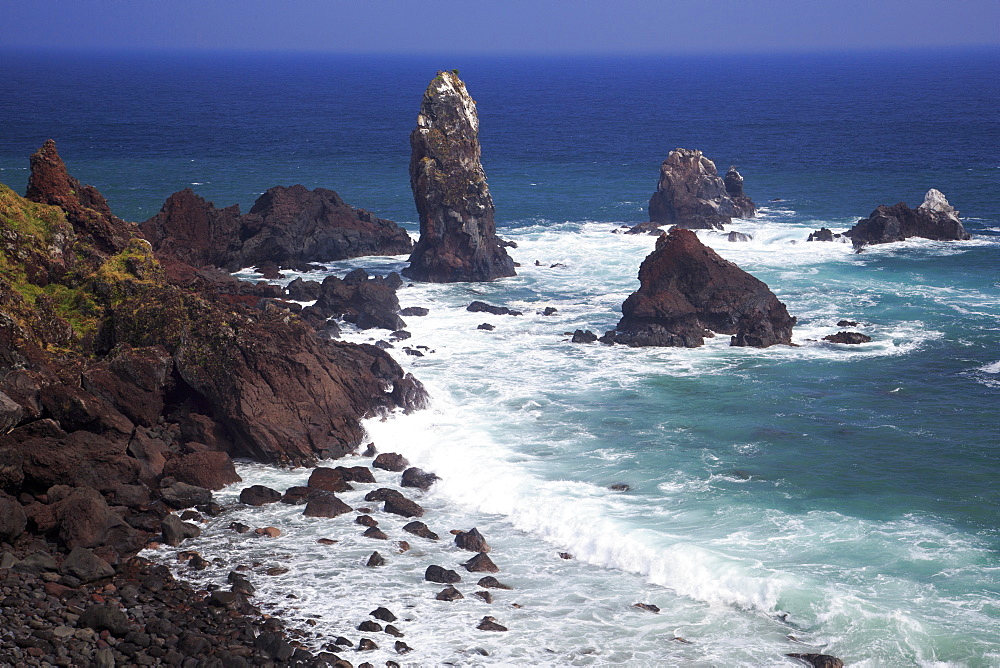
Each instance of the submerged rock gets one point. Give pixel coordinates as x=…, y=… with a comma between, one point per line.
x=687, y=292
x=933, y=219
x=690, y=193
x=458, y=240
x=852, y=338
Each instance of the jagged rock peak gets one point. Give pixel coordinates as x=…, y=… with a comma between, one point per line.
x=458, y=240
x=687, y=292
x=691, y=194
x=935, y=201
x=85, y=207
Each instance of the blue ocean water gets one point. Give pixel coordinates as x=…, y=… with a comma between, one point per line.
x=847, y=497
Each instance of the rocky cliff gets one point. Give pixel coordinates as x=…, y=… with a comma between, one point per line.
x=687, y=292
x=690, y=193
x=933, y=219
x=458, y=240
x=290, y=227
x=137, y=391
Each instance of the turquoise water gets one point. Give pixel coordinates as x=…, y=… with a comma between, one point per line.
x=846, y=496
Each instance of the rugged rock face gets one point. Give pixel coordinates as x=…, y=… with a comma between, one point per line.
x=458, y=240
x=687, y=292
x=934, y=219
x=112, y=378
x=690, y=193
x=290, y=227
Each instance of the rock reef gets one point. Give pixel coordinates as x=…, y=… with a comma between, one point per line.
x=458, y=240
x=933, y=219
x=289, y=227
x=688, y=292
x=691, y=194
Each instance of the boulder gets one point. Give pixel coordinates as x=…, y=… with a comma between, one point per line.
x=211, y=470
x=483, y=307
x=296, y=496
x=441, y=575
x=850, y=338
x=325, y=504
x=182, y=495
x=383, y=614
x=376, y=533
x=356, y=473
x=449, y=593
x=10, y=414
x=490, y=582
x=175, y=531
x=84, y=520
x=738, y=237
x=304, y=291
x=418, y=528
x=472, y=541
x=86, y=566
x=375, y=560
x=414, y=477
x=687, y=292
x=458, y=240
x=102, y=617
x=481, y=563
x=13, y=519
x=819, y=660
x=390, y=461
x=369, y=302
x=418, y=311
x=328, y=480
x=489, y=623
x=823, y=234
x=690, y=193
x=584, y=336
x=400, y=505
x=259, y=495
x=933, y=219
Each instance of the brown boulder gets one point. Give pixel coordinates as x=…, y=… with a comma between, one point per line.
x=687, y=291
x=79, y=459
x=390, y=461
x=458, y=240
x=328, y=480
x=211, y=470
x=490, y=624
x=449, y=593
x=850, y=338
x=400, y=505
x=356, y=473
x=85, y=520
x=414, y=477
x=418, y=528
x=325, y=504
x=13, y=519
x=472, y=540
x=819, y=660
x=481, y=563
x=259, y=495
x=441, y=575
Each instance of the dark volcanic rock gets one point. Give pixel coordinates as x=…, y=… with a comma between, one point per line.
x=483, y=307
x=933, y=219
x=490, y=624
x=102, y=617
x=414, y=477
x=441, y=575
x=12, y=520
x=290, y=227
x=86, y=566
x=356, y=473
x=418, y=528
x=690, y=193
x=819, y=660
x=852, y=338
x=400, y=505
x=390, y=461
x=328, y=480
x=472, y=541
x=325, y=504
x=737, y=237
x=458, y=240
x=584, y=336
x=481, y=563
x=449, y=593
x=687, y=291
x=176, y=531
x=182, y=495
x=368, y=302
x=490, y=582
x=418, y=311
x=745, y=208
x=259, y=495
x=211, y=470
x=823, y=234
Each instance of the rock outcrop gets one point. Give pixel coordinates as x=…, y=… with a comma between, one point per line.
x=458, y=240
x=933, y=219
x=690, y=193
x=289, y=227
x=688, y=292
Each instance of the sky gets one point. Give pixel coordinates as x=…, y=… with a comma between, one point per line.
x=501, y=26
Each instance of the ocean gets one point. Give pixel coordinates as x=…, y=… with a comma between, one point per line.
x=817, y=498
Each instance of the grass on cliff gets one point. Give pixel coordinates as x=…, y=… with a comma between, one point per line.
x=42, y=266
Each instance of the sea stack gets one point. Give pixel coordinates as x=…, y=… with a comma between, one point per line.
x=934, y=219
x=691, y=194
x=458, y=240
x=687, y=292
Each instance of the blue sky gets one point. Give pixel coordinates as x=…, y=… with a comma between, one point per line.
x=511, y=26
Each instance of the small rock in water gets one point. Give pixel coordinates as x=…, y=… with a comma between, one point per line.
x=646, y=606
x=481, y=563
x=487, y=326
x=369, y=626
x=390, y=461
x=549, y=310
x=683, y=641
x=490, y=582
x=485, y=595
x=369, y=452
x=276, y=570
x=393, y=631
x=401, y=647
x=326, y=541
x=472, y=540
x=270, y=532
x=449, y=593
x=819, y=660
x=850, y=338
x=490, y=624
x=403, y=546
x=366, y=520
x=383, y=614
x=619, y=487
x=375, y=560
x=565, y=555
x=584, y=336
x=435, y=573
x=376, y=533
x=414, y=477
x=418, y=528
x=847, y=323
x=366, y=645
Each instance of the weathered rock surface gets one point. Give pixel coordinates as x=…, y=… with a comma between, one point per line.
x=368, y=302
x=933, y=219
x=458, y=240
x=852, y=338
x=687, y=292
x=289, y=227
x=690, y=193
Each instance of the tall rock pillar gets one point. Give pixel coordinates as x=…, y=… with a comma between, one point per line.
x=458, y=240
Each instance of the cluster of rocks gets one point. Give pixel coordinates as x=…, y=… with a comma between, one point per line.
x=286, y=227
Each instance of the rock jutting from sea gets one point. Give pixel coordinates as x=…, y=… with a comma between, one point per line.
x=691, y=194
x=933, y=219
x=688, y=292
x=288, y=227
x=458, y=240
